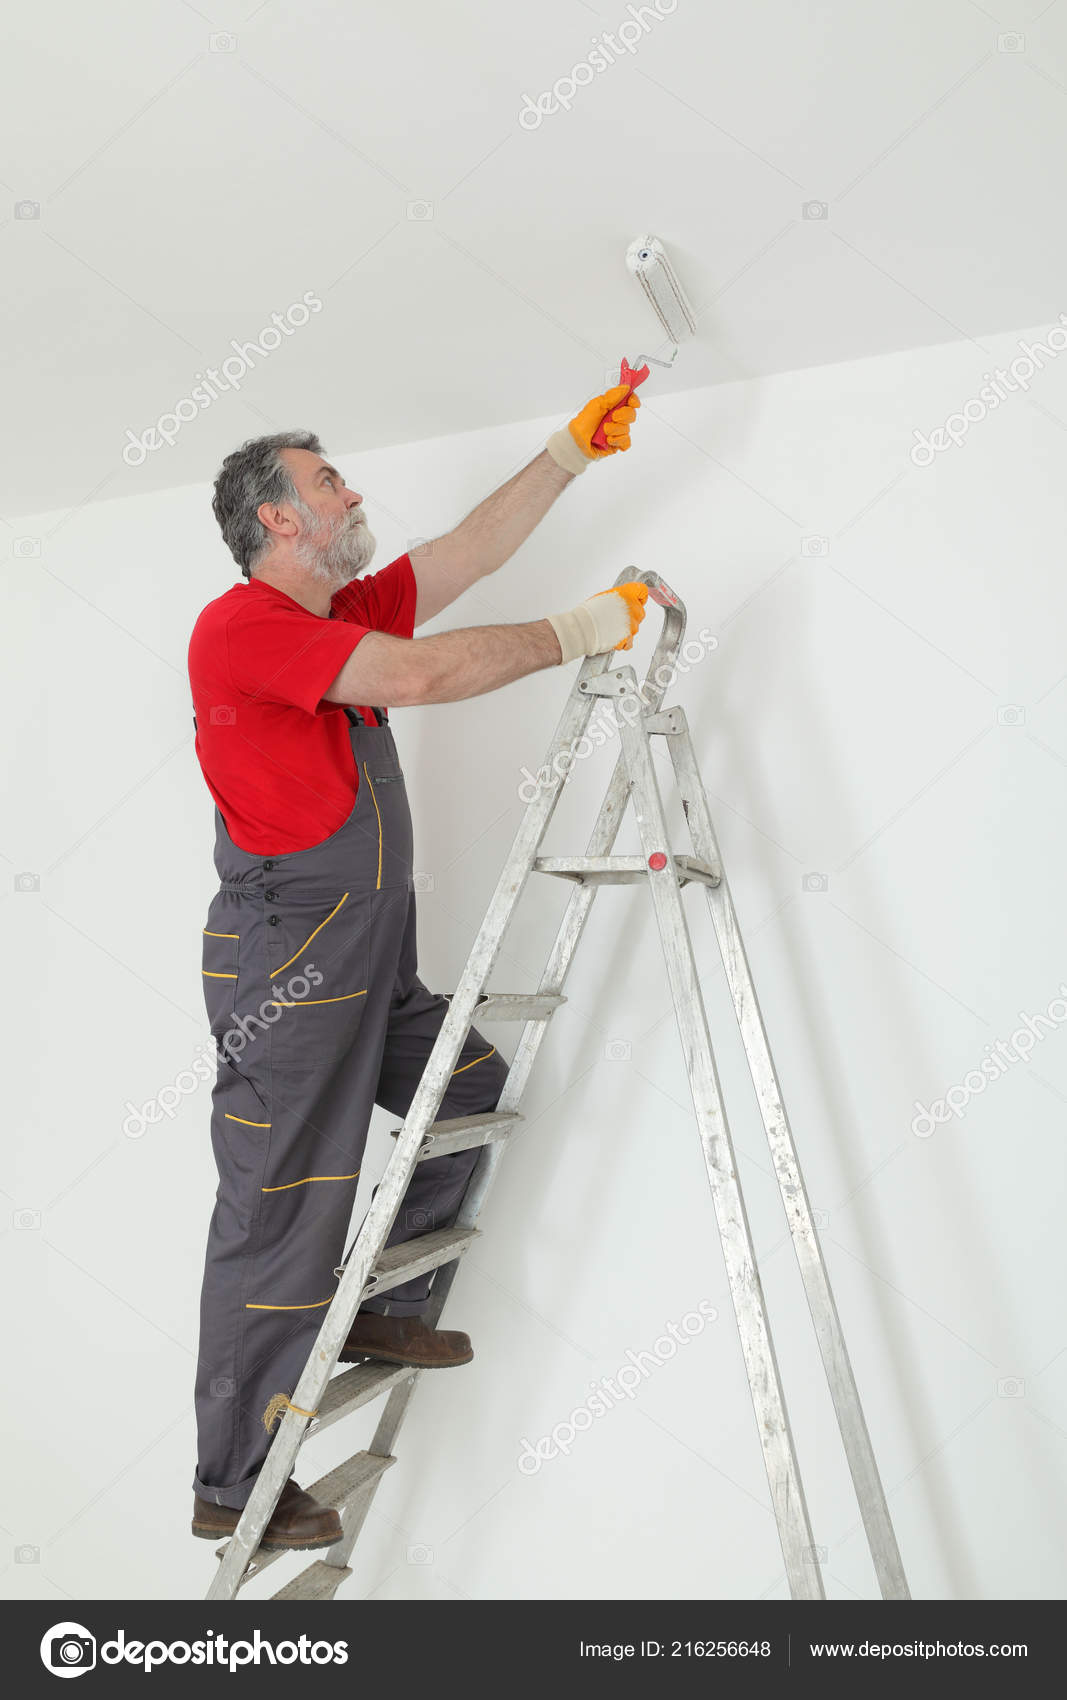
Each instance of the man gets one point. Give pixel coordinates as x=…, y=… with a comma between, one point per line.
x=309, y=958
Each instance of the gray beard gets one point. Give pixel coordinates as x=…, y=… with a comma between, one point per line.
x=334, y=551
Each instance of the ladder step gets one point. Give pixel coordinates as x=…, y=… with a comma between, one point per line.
x=463, y=1133
x=399, y=1263
x=339, y=1488
x=622, y=870
x=517, y=1006
x=357, y=1386
x=319, y=1581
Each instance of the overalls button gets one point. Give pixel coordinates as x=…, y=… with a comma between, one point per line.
x=271, y=896
x=272, y=920
x=267, y=866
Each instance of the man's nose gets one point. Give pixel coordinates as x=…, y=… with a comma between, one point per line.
x=354, y=498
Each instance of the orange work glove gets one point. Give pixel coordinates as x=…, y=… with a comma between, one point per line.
x=573, y=448
x=605, y=621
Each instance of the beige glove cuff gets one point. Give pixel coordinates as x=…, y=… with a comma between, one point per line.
x=566, y=453
x=592, y=628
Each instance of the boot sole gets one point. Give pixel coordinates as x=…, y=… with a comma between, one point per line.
x=387, y=1357
x=267, y=1545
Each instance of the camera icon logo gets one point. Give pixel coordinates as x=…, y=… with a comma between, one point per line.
x=68, y=1649
x=223, y=42
x=815, y=546
x=27, y=882
x=420, y=546
x=816, y=209
x=1011, y=1387
x=420, y=1555
x=26, y=1220
x=422, y=882
x=27, y=1555
x=815, y=882
x=1011, y=42
x=821, y=1218
x=618, y=1050
x=418, y=1218
x=222, y=1387
x=27, y=209
x=816, y=1555
x=1011, y=714
x=223, y=714
x=26, y=548
x=420, y=209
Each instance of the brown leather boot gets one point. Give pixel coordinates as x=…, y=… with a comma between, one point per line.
x=298, y=1521
x=404, y=1340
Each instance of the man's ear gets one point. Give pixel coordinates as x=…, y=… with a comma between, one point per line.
x=274, y=518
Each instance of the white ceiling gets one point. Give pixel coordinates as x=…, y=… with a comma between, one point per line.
x=187, y=193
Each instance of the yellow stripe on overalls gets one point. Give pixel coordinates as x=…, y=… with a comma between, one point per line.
x=466, y=1066
x=307, y=941
x=317, y=1306
x=378, y=812
x=306, y=1180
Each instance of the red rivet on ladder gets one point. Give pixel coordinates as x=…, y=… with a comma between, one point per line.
x=657, y=860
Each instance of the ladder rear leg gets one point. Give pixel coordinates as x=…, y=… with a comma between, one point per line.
x=855, y=1437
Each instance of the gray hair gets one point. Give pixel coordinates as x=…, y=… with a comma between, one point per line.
x=253, y=474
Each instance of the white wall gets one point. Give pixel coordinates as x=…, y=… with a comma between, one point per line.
x=848, y=725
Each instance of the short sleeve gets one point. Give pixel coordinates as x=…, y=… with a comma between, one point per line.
x=384, y=603
x=286, y=655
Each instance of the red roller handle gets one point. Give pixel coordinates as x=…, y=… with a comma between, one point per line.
x=627, y=375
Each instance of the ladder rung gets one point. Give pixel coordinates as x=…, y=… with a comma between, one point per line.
x=462, y=1133
x=517, y=1006
x=621, y=870
x=400, y=1263
x=320, y=1581
x=339, y=1488
x=357, y=1386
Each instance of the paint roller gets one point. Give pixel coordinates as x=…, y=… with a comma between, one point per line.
x=650, y=263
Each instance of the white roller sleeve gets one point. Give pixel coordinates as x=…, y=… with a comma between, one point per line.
x=596, y=625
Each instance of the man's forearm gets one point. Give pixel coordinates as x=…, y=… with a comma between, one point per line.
x=445, y=668
x=493, y=531
x=476, y=659
x=488, y=536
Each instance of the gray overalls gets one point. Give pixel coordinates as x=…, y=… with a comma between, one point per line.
x=318, y=1013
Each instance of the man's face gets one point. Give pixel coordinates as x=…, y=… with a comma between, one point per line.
x=334, y=542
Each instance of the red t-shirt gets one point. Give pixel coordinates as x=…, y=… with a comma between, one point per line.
x=276, y=757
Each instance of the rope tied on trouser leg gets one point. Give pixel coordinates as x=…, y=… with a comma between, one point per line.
x=279, y=1403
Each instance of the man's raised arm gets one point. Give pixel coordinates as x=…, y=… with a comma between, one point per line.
x=493, y=531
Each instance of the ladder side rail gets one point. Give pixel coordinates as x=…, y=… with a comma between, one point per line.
x=746, y=1288
x=848, y=1409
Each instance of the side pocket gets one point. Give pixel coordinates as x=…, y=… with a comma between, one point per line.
x=219, y=963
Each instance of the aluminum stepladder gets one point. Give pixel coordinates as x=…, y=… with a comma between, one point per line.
x=352, y=1485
